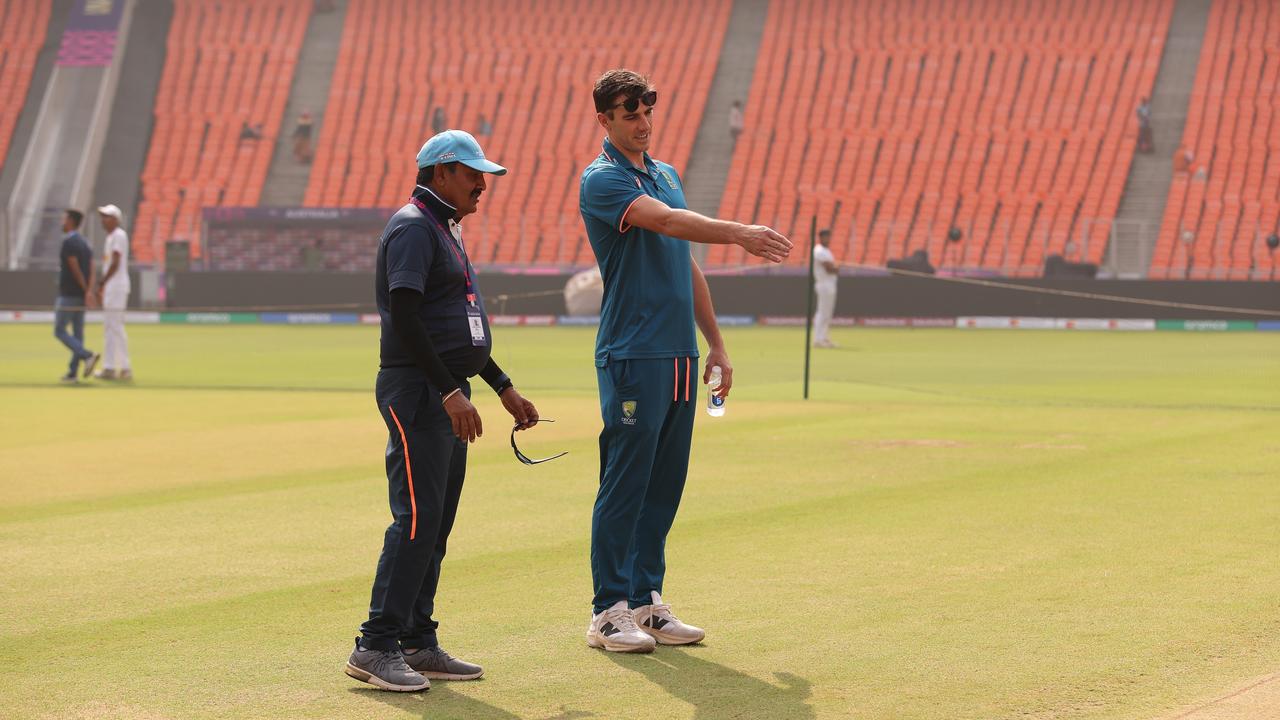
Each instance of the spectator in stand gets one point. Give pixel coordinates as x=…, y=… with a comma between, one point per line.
x=484, y=128
x=302, y=138
x=737, y=123
x=1182, y=159
x=1145, y=133
x=438, y=122
x=250, y=132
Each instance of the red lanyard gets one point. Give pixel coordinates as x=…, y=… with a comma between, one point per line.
x=462, y=257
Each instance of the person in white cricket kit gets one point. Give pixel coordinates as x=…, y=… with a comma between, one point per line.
x=825, y=272
x=115, y=297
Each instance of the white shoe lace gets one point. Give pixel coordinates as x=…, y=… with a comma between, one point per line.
x=663, y=611
x=622, y=619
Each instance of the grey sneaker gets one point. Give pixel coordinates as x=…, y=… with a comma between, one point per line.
x=436, y=664
x=385, y=669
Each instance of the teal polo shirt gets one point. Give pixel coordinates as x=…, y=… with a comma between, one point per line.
x=648, y=279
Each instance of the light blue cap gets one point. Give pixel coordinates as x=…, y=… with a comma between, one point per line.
x=457, y=146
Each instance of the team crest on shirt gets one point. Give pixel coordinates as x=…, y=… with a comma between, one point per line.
x=670, y=183
x=628, y=412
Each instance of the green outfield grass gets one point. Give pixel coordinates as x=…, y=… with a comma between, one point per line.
x=958, y=524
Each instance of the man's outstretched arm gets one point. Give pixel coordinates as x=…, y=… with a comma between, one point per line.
x=652, y=214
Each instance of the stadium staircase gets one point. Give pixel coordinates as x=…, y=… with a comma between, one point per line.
x=1215, y=224
x=287, y=179
x=1137, y=223
x=132, y=119
x=713, y=147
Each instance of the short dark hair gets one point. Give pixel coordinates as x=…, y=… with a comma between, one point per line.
x=824, y=233
x=76, y=216
x=618, y=82
x=426, y=174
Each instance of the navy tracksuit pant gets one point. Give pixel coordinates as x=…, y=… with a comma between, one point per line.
x=648, y=407
x=426, y=464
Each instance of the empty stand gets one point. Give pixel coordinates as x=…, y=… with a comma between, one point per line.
x=23, y=24
x=529, y=71
x=229, y=63
x=892, y=122
x=1222, y=208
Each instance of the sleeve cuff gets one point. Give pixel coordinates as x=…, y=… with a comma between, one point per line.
x=622, y=224
x=406, y=279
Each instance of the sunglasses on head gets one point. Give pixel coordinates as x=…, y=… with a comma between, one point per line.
x=649, y=98
x=521, y=456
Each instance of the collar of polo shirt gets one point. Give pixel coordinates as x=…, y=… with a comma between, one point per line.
x=616, y=156
x=444, y=211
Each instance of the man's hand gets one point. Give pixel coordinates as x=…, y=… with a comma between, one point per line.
x=464, y=416
x=763, y=242
x=718, y=356
x=525, y=414
x=93, y=298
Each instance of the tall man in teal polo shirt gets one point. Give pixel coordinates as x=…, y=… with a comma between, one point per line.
x=654, y=293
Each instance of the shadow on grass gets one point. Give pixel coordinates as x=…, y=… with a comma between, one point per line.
x=718, y=692
x=443, y=702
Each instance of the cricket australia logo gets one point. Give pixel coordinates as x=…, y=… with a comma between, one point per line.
x=628, y=412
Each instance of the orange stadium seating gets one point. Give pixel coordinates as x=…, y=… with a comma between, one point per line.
x=229, y=62
x=529, y=71
x=1215, y=224
x=892, y=122
x=22, y=34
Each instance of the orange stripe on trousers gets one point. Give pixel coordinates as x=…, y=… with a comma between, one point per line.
x=413, y=504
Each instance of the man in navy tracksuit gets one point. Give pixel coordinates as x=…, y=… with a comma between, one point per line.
x=435, y=335
x=646, y=354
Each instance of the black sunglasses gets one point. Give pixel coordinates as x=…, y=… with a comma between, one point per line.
x=649, y=98
x=524, y=458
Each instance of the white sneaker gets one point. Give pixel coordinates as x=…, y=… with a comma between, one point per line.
x=615, y=630
x=657, y=620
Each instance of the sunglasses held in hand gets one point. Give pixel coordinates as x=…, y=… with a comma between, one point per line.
x=524, y=458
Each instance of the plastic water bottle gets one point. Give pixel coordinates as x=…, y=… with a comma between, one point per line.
x=715, y=403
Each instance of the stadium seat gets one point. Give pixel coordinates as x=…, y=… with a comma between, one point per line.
x=1011, y=121
x=22, y=34
x=1216, y=221
x=536, y=95
x=229, y=62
